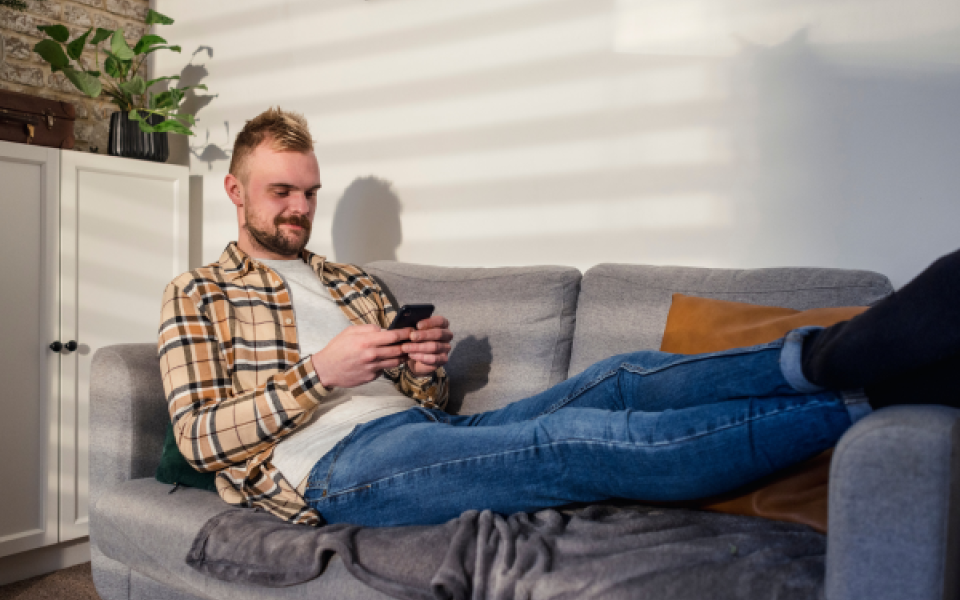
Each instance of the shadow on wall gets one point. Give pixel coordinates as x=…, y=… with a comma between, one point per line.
x=196, y=222
x=180, y=145
x=366, y=222
x=852, y=156
x=211, y=153
x=468, y=369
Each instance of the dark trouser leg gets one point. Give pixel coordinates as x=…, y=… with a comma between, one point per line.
x=915, y=327
x=936, y=383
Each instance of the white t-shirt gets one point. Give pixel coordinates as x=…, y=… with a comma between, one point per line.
x=319, y=320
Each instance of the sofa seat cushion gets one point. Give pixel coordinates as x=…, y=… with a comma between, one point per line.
x=143, y=526
x=513, y=326
x=623, y=308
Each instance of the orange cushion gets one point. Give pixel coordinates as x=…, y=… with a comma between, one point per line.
x=697, y=325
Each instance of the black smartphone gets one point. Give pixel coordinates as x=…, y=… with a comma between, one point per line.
x=409, y=315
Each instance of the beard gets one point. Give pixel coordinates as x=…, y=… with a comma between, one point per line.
x=274, y=239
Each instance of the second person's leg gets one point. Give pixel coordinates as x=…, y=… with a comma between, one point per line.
x=911, y=330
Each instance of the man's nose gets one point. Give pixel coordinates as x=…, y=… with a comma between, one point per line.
x=297, y=203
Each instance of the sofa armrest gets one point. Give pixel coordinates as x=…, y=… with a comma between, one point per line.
x=894, y=507
x=128, y=416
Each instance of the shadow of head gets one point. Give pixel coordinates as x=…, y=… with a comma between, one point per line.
x=210, y=153
x=468, y=369
x=366, y=223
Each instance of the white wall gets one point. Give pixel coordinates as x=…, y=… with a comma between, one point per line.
x=517, y=132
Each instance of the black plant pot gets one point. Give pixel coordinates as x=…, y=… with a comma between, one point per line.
x=128, y=141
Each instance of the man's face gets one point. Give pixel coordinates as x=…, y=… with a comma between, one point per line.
x=279, y=201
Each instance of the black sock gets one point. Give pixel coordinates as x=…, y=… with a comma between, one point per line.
x=915, y=327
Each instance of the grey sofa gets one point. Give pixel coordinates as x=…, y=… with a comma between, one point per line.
x=893, y=518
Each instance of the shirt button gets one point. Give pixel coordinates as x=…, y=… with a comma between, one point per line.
x=288, y=321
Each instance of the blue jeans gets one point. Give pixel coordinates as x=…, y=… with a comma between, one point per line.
x=646, y=425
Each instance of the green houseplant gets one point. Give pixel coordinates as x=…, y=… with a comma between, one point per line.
x=119, y=76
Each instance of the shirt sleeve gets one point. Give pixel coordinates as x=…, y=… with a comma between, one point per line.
x=215, y=427
x=431, y=391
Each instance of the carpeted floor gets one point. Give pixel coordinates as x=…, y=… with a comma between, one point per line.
x=74, y=583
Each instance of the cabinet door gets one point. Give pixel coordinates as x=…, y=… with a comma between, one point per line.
x=29, y=322
x=124, y=236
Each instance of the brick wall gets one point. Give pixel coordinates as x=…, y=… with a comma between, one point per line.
x=22, y=70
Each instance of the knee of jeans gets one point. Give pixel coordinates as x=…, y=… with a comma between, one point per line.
x=640, y=357
x=606, y=366
x=641, y=360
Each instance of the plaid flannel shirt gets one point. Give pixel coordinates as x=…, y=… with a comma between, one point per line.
x=235, y=381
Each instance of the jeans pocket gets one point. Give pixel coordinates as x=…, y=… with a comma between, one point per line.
x=318, y=481
x=340, y=462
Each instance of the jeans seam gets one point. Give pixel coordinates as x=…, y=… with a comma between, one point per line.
x=693, y=358
x=577, y=393
x=627, y=366
x=747, y=421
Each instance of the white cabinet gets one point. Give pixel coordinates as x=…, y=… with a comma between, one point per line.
x=87, y=243
x=29, y=371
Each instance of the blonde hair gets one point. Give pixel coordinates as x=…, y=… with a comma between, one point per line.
x=285, y=132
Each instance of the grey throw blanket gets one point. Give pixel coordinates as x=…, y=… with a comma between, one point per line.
x=600, y=551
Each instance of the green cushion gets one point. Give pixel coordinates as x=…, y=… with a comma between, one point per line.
x=174, y=468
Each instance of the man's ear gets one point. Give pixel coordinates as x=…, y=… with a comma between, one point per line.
x=234, y=189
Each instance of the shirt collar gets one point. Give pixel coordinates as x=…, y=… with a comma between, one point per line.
x=237, y=263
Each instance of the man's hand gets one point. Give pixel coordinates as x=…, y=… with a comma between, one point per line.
x=429, y=345
x=358, y=354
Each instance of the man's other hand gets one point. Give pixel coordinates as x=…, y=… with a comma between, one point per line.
x=429, y=345
x=358, y=354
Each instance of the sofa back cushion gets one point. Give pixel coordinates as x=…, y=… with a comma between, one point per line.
x=623, y=308
x=513, y=326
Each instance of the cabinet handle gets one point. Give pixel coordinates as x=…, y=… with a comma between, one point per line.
x=56, y=346
x=70, y=346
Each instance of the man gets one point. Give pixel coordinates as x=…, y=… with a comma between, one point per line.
x=236, y=372
x=280, y=376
